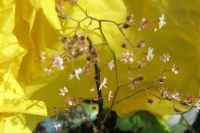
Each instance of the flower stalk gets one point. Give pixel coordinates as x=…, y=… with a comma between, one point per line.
x=98, y=83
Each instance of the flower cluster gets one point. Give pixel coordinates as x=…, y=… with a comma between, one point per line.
x=78, y=45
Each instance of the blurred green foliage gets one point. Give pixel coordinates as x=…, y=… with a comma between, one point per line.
x=143, y=122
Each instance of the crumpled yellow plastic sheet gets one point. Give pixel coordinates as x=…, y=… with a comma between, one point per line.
x=28, y=27
x=19, y=40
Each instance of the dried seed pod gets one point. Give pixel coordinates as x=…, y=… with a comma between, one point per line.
x=130, y=18
x=125, y=25
x=150, y=100
x=123, y=45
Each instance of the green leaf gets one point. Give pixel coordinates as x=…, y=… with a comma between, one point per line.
x=142, y=122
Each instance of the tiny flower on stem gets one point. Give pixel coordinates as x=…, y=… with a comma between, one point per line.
x=87, y=69
x=142, y=63
x=42, y=56
x=164, y=92
x=162, y=21
x=143, y=24
x=76, y=74
x=175, y=69
x=103, y=83
x=134, y=82
x=58, y=62
x=69, y=101
x=127, y=57
x=165, y=58
x=110, y=65
x=63, y=91
x=189, y=100
x=110, y=95
x=150, y=54
x=176, y=96
x=48, y=70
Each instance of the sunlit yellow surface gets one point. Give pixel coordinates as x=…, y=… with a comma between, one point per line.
x=28, y=27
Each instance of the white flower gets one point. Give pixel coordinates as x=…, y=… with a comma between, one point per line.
x=110, y=95
x=127, y=57
x=63, y=91
x=58, y=62
x=197, y=105
x=42, y=56
x=110, y=65
x=48, y=70
x=165, y=58
x=162, y=21
x=76, y=74
x=150, y=54
x=103, y=84
x=175, y=69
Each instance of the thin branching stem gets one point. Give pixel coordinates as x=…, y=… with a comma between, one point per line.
x=135, y=93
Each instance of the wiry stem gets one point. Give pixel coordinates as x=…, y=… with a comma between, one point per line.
x=98, y=83
x=116, y=73
x=131, y=95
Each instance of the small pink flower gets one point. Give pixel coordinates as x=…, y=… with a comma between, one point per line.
x=175, y=69
x=42, y=56
x=164, y=92
x=143, y=24
x=189, y=100
x=69, y=101
x=110, y=65
x=142, y=63
x=176, y=96
x=165, y=58
x=58, y=62
x=127, y=57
